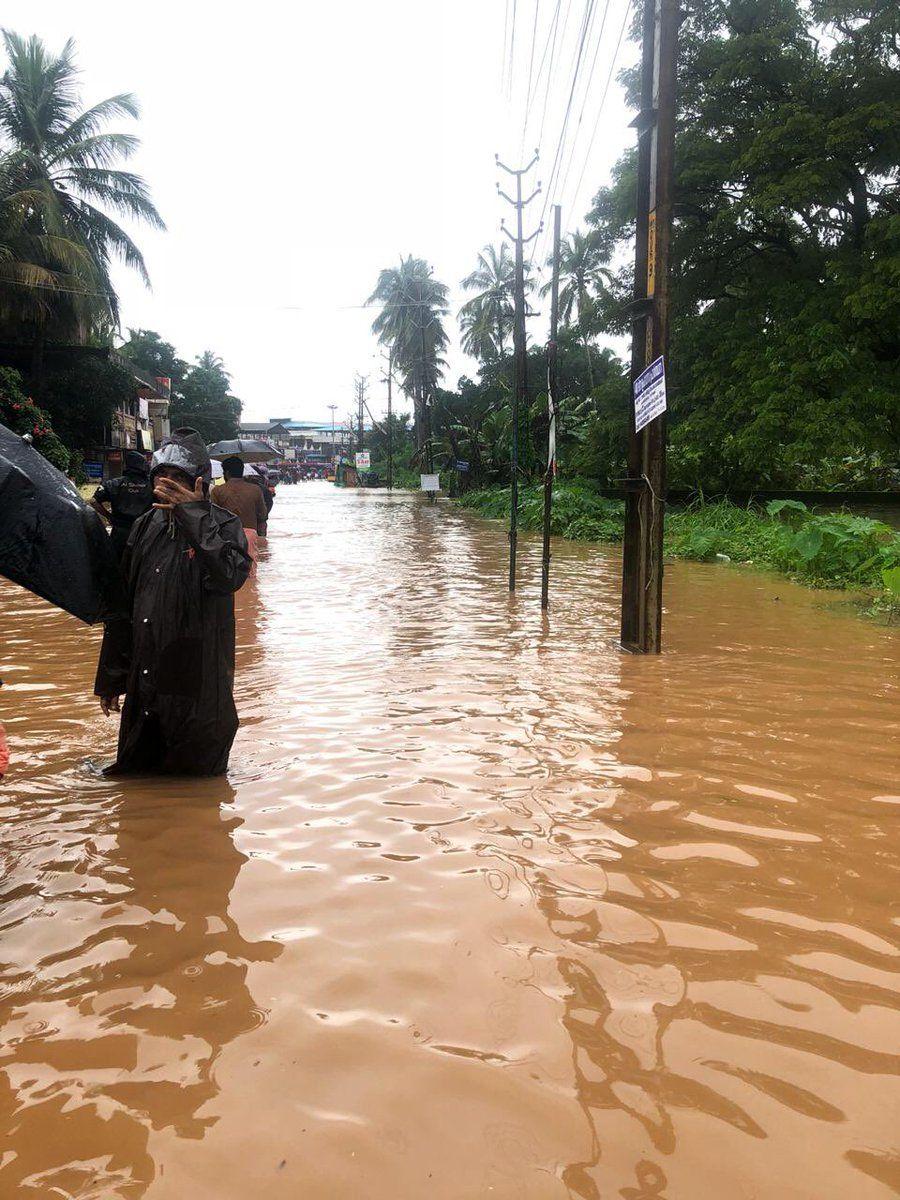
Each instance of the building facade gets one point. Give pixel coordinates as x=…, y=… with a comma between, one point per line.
x=303, y=441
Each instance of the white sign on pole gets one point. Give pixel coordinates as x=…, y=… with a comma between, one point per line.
x=649, y=394
x=362, y=460
x=430, y=483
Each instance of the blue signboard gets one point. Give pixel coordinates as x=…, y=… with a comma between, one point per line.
x=93, y=470
x=649, y=394
x=462, y=466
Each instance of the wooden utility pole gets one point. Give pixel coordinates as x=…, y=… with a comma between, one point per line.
x=519, y=390
x=553, y=408
x=642, y=566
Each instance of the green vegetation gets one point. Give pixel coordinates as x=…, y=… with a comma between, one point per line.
x=784, y=368
x=410, y=325
x=836, y=550
x=200, y=395
x=62, y=193
x=22, y=416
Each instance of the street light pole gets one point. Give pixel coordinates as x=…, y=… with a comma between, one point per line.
x=332, y=407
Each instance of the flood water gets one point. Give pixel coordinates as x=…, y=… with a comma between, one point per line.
x=485, y=908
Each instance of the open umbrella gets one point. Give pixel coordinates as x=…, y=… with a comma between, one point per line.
x=51, y=542
x=218, y=473
x=246, y=449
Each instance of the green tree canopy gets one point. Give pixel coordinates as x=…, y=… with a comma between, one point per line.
x=147, y=350
x=66, y=159
x=205, y=402
x=785, y=349
x=413, y=304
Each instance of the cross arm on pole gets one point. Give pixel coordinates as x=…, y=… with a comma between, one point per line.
x=519, y=170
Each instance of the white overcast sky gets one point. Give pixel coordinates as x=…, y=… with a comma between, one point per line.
x=295, y=150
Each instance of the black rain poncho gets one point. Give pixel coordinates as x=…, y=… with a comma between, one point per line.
x=174, y=659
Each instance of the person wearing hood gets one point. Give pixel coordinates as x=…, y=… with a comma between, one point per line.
x=122, y=500
x=173, y=658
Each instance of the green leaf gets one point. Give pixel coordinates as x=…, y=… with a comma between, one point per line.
x=808, y=542
x=774, y=507
x=891, y=578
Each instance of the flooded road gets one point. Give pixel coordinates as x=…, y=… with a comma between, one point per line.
x=484, y=908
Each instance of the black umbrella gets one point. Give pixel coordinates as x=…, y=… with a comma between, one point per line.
x=51, y=542
x=246, y=449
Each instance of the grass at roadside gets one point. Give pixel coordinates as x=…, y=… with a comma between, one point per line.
x=836, y=550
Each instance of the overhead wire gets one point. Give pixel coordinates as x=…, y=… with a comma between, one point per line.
x=585, y=25
x=584, y=102
x=551, y=33
x=612, y=67
x=512, y=48
x=503, y=55
x=537, y=9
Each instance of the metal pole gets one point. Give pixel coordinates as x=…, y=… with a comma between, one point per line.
x=642, y=567
x=553, y=406
x=518, y=391
x=519, y=355
x=332, y=407
x=390, y=444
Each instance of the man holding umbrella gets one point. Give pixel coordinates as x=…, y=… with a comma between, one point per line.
x=173, y=656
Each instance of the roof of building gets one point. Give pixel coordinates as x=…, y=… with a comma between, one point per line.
x=292, y=426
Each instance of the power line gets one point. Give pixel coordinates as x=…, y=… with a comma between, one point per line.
x=589, y=8
x=562, y=37
x=587, y=92
x=512, y=48
x=503, y=55
x=612, y=67
x=537, y=9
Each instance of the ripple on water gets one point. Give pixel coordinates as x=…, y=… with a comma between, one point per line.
x=633, y=931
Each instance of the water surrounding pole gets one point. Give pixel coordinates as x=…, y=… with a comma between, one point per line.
x=642, y=566
x=390, y=435
x=518, y=390
x=553, y=408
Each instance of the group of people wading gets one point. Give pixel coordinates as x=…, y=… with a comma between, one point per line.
x=184, y=551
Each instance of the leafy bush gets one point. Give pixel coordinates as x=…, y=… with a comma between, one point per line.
x=824, y=550
x=22, y=416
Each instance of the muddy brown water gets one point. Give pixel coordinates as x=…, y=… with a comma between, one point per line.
x=484, y=908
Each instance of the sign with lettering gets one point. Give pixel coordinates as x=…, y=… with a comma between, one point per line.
x=362, y=460
x=430, y=483
x=649, y=394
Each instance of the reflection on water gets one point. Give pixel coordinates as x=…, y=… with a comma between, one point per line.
x=485, y=908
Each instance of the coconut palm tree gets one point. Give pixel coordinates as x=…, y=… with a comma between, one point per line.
x=410, y=323
x=65, y=154
x=30, y=241
x=486, y=320
x=581, y=275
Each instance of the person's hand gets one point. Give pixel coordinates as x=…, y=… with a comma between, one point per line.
x=168, y=493
x=109, y=704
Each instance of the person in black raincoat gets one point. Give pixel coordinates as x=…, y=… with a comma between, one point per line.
x=129, y=497
x=174, y=659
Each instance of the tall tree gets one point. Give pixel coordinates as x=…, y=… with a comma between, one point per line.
x=148, y=350
x=65, y=154
x=785, y=350
x=583, y=275
x=31, y=238
x=413, y=305
x=487, y=319
x=205, y=402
